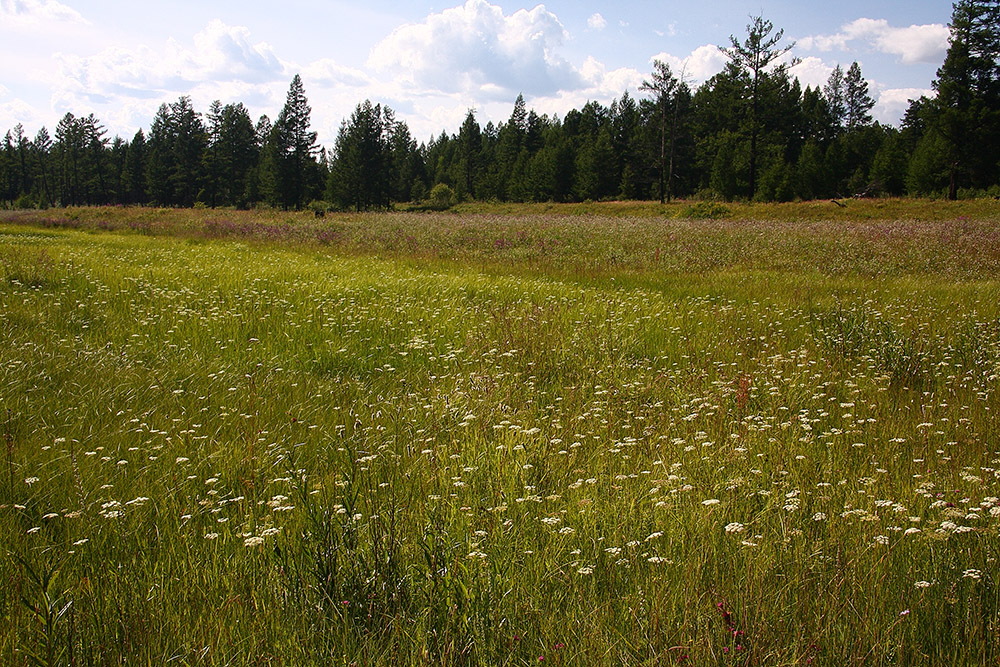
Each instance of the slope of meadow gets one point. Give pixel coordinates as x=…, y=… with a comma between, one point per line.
x=474, y=438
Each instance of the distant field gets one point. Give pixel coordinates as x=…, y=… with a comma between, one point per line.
x=587, y=434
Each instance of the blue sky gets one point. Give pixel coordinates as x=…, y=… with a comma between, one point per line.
x=430, y=61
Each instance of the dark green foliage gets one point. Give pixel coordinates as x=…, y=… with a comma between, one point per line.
x=294, y=172
x=177, y=142
x=752, y=59
x=749, y=133
x=966, y=111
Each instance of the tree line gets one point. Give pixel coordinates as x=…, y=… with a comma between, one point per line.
x=750, y=132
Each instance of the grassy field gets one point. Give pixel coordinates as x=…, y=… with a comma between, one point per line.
x=609, y=434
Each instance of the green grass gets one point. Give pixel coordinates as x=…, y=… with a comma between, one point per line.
x=263, y=438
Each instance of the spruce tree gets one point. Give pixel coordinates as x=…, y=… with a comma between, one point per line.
x=857, y=102
x=754, y=57
x=663, y=85
x=296, y=148
x=966, y=111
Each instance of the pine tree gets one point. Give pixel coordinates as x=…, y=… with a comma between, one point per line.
x=238, y=154
x=470, y=141
x=833, y=92
x=42, y=146
x=357, y=175
x=295, y=148
x=966, y=111
x=664, y=85
x=135, y=170
x=754, y=57
x=857, y=102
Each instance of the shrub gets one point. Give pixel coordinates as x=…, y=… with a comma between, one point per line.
x=442, y=197
x=705, y=210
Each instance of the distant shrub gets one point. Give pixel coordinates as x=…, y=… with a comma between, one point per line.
x=25, y=201
x=705, y=210
x=442, y=197
x=319, y=207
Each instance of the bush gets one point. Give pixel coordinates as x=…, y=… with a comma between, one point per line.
x=319, y=207
x=25, y=201
x=705, y=210
x=442, y=197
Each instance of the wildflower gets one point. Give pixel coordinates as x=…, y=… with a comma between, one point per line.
x=973, y=574
x=30, y=480
x=211, y=536
x=734, y=527
x=921, y=584
x=585, y=570
x=253, y=541
x=710, y=502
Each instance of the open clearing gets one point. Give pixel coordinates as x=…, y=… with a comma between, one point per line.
x=244, y=438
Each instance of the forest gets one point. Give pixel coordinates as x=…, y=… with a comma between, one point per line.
x=749, y=133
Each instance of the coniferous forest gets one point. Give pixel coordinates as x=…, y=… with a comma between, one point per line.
x=750, y=132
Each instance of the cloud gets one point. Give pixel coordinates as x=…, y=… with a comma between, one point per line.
x=328, y=72
x=18, y=111
x=698, y=66
x=33, y=13
x=476, y=47
x=597, y=22
x=892, y=103
x=914, y=44
x=812, y=71
x=218, y=54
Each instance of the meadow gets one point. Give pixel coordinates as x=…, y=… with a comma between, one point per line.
x=591, y=434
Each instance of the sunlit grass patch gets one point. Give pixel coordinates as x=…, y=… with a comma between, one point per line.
x=240, y=449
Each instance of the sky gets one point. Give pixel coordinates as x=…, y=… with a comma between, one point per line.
x=429, y=61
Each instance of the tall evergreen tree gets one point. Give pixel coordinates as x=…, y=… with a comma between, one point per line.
x=135, y=170
x=833, y=92
x=238, y=154
x=758, y=57
x=663, y=84
x=357, y=177
x=42, y=146
x=857, y=102
x=966, y=111
x=295, y=166
x=470, y=142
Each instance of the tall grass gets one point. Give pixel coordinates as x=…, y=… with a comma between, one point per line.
x=756, y=445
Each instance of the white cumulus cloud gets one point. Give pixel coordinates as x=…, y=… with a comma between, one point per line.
x=913, y=44
x=892, y=103
x=34, y=13
x=698, y=66
x=476, y=47
x=219, y=53
x=597, y=22
x=18, y=111
x=811, y=71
